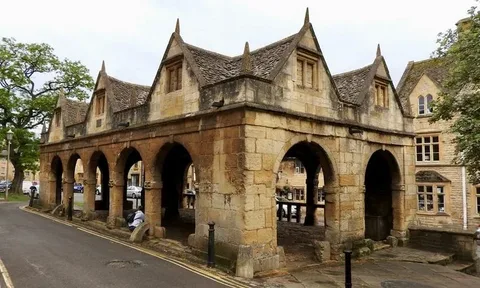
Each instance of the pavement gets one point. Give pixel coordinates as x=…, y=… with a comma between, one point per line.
x=39, y=252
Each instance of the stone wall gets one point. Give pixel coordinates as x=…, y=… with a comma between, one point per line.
x=462, y=243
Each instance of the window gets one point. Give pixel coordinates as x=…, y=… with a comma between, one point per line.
x=174, y=77
x=428, y=148
x=421, y=105
x=58, y=115
x=320, y=195
x=100, y=103
x=299, y=194
x=477, y=200
x=425, y=105
x=381, y=94
x=306, y=71
x=299, y=168
x=431, y=198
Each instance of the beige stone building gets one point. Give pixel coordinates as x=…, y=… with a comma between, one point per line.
x=29, y=175
x=236, y=119
x=445, y=198
x=292, y=177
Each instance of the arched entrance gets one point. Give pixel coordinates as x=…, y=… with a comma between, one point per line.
x=174, y=168
x=132, y=196
x=381, y=174
x=309, y=161
x=98, y=176
x=71, y=180
x=57, y=174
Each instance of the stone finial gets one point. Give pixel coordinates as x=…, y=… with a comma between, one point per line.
x=379, y=52
x=103, y=67
x=307, y=17
x=44, y=129
x=177, y=27
x=246, y=60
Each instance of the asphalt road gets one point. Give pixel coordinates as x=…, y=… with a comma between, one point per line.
x=39, y=252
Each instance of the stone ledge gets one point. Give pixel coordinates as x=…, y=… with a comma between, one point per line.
x=449, y=230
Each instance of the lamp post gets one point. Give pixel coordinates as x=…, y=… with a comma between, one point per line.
x=9, y=139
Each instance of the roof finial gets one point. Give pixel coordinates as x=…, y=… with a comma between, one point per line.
x=103, y=66
x=379, y=52
x=44, y=129
x=177, y=27
x=307, y=17
x=246, y=60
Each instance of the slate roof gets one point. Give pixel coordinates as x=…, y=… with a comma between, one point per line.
x=74, y=112
x=429, y=177
x=127, y=95
x=435, y=69
x=216, y=67
x=351, y=84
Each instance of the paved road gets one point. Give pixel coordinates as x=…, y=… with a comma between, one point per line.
x=39, y=252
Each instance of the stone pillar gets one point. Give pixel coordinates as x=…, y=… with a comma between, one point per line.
x=398, y=205
x=67, y=192
x=312, y=191
x=116, y=205
x=153, y=209
x=89, y=195
x=332, y=215
x=49, y=192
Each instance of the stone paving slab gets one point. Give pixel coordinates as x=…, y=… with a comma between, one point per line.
x=378, y=273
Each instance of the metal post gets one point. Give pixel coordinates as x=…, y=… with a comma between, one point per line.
x=348, y=268
x=211, y=244
x=70, y=209
x=8, y=164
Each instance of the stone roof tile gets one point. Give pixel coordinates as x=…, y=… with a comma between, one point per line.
x=430, y=177
x=74, y=112
x=351, y=84
x=127, y=95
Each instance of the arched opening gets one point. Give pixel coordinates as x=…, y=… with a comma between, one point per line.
x=304, y=177
x=99, y=176
x=381, y=174
x=57, y=174
x=130, y=163
x=74, y=181
x=179, y=191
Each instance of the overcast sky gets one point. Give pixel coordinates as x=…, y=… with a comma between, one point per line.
x=131, y=36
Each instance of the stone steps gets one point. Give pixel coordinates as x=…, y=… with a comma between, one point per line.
x=462, y=266
x=377, y=246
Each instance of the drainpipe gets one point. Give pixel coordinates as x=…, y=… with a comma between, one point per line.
x=464, y=198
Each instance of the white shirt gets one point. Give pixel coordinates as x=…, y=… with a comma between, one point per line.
x=139, y=218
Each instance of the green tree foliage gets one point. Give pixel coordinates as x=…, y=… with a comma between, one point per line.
x=459, y=100
x=31, y=78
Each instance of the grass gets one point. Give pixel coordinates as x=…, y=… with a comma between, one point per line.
x=15, y=197
x=79, y=204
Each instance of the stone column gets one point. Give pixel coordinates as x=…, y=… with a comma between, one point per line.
x=312, y=191
x=89, y=195
x=332, y=216
x=153, y=209
x=398, y=205
x=116, y=205
x=67, y=192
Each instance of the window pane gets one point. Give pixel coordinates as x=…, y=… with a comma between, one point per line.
x=435, y=139
x=478, y=205
x=421, y=202
x=309, y=80
x=173, y=80
x=429, y=189
x=418, y=140
x=441, y=202
x=421, y=100
x=436, y=153
x=427, y=152
x=299, y=72
x=478, y=190
x=429, y=202
x=419, y=153
x=426, y=139
x=439, y=190
x=420, y=188
x=179, y=77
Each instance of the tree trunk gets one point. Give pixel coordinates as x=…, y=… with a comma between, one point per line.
x=17, y=183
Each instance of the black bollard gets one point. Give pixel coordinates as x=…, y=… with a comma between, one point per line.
x=70, y=209
x=211, y=244
x=348, y=268
x=32, y=196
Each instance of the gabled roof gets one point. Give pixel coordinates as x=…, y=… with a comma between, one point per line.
x=215, y=67
x=126, y=95
x=429, y=177
x=73, y=112
x=435, y=69
x=352, y=84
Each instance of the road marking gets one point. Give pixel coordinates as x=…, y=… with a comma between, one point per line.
x=191, y=268
x=5, y=275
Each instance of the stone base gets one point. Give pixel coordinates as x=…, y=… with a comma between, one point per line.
x=281, y=255
x=139, y=232
x=114, y=222
x=244, y=266
x=322, y=251
x=392, y=241
x=160, y=232
x=266, y=263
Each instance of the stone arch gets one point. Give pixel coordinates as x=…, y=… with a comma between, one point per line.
x=382, y=177
x=125, y=160
x=56, y=175
x=71, y=164
x=97, y=160
x=392, y=159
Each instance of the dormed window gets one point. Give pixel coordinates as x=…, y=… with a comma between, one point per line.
x=425, y=105
x=306, y=70
x=381, y=94
x=174, y=76
x=100, y=102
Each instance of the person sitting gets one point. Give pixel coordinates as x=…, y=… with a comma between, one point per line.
x=138, y=218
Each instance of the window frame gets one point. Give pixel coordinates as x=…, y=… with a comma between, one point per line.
x=430, y=144
x=476, y=195
x=306, y=60
x=435, y=199
x=176, y=67
x=382, y=87
x=421, y=103
x=299, y=169
x=100, y=102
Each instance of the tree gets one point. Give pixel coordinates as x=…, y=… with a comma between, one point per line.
x=31, y=79
x=459, y=99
